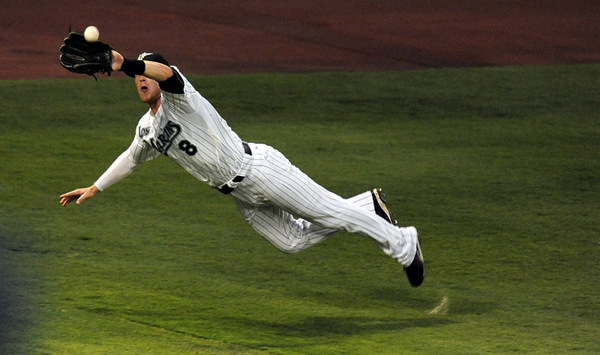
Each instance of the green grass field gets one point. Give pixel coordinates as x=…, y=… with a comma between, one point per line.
x=497, y=167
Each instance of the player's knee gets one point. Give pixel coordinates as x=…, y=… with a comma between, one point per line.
x=291, y=248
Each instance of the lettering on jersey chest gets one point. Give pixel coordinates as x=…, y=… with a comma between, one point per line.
x=163, y=140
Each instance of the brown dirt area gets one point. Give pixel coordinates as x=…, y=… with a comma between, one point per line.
x=209, y=37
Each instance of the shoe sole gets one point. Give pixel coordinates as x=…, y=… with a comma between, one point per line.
x=380, y=208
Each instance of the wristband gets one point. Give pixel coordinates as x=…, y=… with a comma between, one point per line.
x=133, y=67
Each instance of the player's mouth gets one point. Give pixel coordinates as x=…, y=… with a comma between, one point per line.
x=144, y=88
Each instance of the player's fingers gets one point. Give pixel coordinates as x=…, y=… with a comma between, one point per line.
x=65, y=200
x=82, y=198
x=71, y=193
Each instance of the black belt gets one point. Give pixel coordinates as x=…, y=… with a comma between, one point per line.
x=226, y=189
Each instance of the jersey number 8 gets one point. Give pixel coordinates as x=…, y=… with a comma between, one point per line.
x=188, y=147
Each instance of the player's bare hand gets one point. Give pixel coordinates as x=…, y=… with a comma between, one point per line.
x=78, y=195
x=117, y=60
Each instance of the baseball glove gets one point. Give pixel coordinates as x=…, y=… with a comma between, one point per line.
x=82, y=57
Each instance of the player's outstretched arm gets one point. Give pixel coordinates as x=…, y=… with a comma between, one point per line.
x=80, y=195
x=117, y=171
x=152, y=70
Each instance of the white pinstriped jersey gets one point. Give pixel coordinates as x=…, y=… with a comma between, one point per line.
x=189, y=130
x=279, y=201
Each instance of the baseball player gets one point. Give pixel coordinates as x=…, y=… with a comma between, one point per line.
x=279, y=201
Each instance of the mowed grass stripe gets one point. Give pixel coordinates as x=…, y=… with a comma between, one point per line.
x=497, y=167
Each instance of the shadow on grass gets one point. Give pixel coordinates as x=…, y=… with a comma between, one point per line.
x=15, y=320
x=342, y=326
x=18, y=286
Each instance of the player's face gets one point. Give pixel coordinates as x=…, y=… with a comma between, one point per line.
x=148, y=89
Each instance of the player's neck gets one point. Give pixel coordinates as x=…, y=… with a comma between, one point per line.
x=154, y=106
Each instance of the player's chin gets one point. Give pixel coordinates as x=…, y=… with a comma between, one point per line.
x=144, y=96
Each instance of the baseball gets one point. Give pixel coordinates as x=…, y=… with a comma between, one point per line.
x=91, y=34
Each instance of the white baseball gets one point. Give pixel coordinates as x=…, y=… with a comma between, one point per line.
x=91, y=34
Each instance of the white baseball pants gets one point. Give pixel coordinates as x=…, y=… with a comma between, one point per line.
x=293, y=212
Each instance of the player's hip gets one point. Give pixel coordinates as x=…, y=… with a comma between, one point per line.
x=275, y=180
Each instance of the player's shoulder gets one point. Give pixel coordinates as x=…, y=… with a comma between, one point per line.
x=183, y=97
x=145, y=119
x=188, y=87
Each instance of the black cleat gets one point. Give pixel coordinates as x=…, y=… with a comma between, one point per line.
x=380, y=207
x=416, y=271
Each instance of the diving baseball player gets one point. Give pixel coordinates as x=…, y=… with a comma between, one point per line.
x=279, y=201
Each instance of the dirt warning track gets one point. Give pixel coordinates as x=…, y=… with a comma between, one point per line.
x=207, y=37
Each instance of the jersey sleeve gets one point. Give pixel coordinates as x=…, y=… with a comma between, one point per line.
x=118, y=170
x=138, y=152
x=174, y=84
x=181, y=99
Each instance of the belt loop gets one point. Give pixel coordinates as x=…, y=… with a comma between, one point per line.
x=226, y=188
x=247, y=149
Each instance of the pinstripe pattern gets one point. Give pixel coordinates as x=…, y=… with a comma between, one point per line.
x=293, y=212
x=280, y=202
x=290, y=234
x=219, y=150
